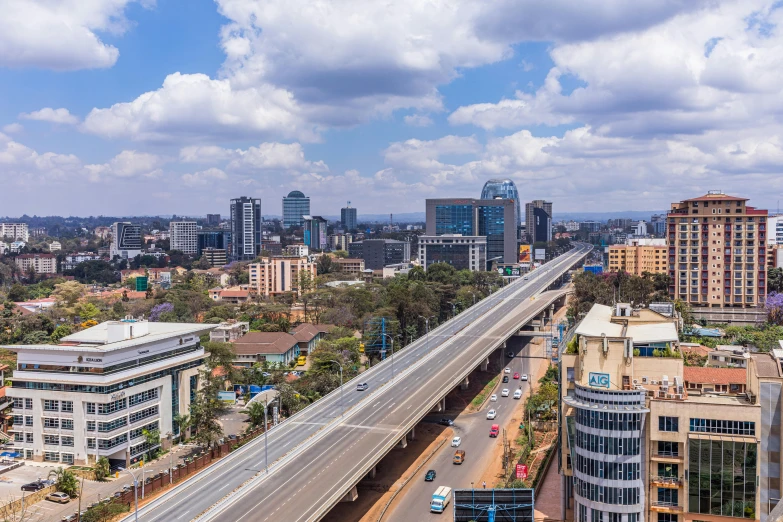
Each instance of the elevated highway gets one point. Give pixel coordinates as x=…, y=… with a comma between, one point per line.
x=318, y=455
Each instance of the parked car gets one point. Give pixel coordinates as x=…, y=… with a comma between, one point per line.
x=493, y=397
x=362, y=386
x=491, y=414
x=34, y=486
x=446, y=422
x=69, y=518
x=456, y=441
x=516, y=375
x=524, y=376
x=59, y=497
x=505, y=378
x=504, y=393
x=430, y=475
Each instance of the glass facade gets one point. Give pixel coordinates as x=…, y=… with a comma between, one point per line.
x=295, y=205
x=491, y=224
x=505, y=189
x=454, y=219
x=722, y=478
x=726, y=427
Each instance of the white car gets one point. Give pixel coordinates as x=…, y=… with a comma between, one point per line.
x=507, y=370
x=524, y=376
x=455, y=442
x=491, y=414
x=493, y=397
x=518, y=394
x=504, y=393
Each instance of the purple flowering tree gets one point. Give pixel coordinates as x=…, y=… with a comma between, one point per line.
x=159, y=310
x=774, y=308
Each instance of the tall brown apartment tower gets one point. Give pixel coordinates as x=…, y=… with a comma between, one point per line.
x=717, y=252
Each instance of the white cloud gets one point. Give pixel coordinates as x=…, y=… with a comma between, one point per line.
x=13, y=128
x=204, y=177
x=276, y=156
x=61, y=35
x=52, y=115
x=423, y=156
x=418, y=120
x=23, y=166
x=127, y=164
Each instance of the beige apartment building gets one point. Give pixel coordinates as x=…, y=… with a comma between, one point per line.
x=278, y=275
x=638, y=256
x=40, y=263
x=350, y=265
x=717, y=251
x=645, y=439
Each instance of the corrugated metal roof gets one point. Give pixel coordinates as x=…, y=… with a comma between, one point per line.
x=598, y=322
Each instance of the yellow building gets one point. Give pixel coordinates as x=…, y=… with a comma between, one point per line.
x=717, y=251
x=639, y=256
x=278, y=275
x=640, y=444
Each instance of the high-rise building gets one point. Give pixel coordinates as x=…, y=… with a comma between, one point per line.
x=717, y=251
x=245, y=219
x=278, y=275
x=38, y=263
x=378, y=253
x=348, y=218
x=542, y=225
x=183, y=236
x=775, y=227
x=658, y=223
x=503, y=189
x=647, y=439
x=638, y=256
x=213, y=220
x=530, y=220
x=125, y=240
x=340, y=241
x=315, y=232
x=491, y=218
x=295, y=207
x=215, y=239
x=461, y=252
x=14, y=231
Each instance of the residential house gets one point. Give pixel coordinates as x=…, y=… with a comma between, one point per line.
x=308, y=335
x=270, y=347
x=229, y=331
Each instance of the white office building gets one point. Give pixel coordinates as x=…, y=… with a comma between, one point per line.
x=94, y=393
x=461, y=252
x=125, y=240
x=72, y=260
x=775, y=230
x=14, y=231
x=184, y=236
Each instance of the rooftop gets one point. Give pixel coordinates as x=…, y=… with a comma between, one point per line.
x=710, y=375
x=254, y=343
x=766, y=365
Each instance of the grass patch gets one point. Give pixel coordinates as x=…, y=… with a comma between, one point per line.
x=479, y=399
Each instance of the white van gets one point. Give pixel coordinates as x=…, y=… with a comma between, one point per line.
x=518, y=394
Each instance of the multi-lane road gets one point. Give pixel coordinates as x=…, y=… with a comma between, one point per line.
x=316, y=455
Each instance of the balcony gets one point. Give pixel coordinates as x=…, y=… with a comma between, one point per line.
x=665, y=507
x=666, y=482
x=668, y=456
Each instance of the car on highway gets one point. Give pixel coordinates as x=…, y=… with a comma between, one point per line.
x=493, y=397
x=59, y=497
x=491, y=414
x=504, y=393
x=505, y=378
x=524, y=376
x=510, y=354
x=516, y=375
x=494, y=430
x=430, y=475
x=459, y=457
x=525, y=278
x=518, y=394
x=446, y=422
x=507, y=370
x=361, y=386
x=456, y=441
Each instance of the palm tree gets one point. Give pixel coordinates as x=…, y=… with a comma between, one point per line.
x=255, y=413
x=65, y=481
x=183, y=422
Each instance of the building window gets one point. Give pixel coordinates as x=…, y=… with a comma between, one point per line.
x=145, y=396
x=726, y=427
x=28, y=404
x=668, y=423
x=51, y=456
x=91, y=408
x=50, y=405
x=51, y=423
x=582, y=513
x=67, y=441
x=91, y=443
x=67, y=407
x=28, y=438
x=18, y=403
x=68, y=458
x=112, y=407
x=67, y=424
x=18, y=437
x=668, y=449
x=90, y=425
x=52, y=440
x=668, y=497
x=28, y=420
x=105, y=427
x=722, y=477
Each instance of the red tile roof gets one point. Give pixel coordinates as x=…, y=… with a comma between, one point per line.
x=711, y=197
x=708, y=375
x=234, y=293
x=255, y=343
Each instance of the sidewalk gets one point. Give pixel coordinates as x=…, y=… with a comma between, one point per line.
x=94, y=491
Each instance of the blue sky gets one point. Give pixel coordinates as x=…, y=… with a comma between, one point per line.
x=168, y=106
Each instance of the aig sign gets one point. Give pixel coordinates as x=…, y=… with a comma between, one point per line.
x=600, y=380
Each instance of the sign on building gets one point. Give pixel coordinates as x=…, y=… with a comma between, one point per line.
x=599, y=380
x=524, y=254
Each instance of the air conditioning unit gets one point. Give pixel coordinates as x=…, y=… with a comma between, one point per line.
x=678, y=396
x=653, y=382
x=644, y=380
x=669, y=395
x=636, y=381
x=666, y=380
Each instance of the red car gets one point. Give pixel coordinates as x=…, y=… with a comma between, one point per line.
x=494, y=430
x=516, y=376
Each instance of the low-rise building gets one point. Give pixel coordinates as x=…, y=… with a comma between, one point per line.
x=296, y=250
x=378, y=253
x=72, y=260
x=229, y=331
x=215, y=256
x=278, y=275
x=270, y=347
x=232, y=295
x=17, y=246
x=350, y=265
x=638, y=256
x=728, y=357
x=707, y=379
x=55, y=246
x=308, y=335
x=39, y=263
x=461, y=252
x=340, y=241
x=93, y=394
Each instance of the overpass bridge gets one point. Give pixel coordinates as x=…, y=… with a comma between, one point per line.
x=319, y=455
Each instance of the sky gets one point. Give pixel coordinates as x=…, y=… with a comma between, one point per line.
x=140, y=107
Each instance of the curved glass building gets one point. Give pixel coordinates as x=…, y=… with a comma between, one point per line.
x=504, y=189
x=295, y=205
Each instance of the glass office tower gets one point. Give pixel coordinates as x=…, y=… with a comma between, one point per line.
x=504, y=189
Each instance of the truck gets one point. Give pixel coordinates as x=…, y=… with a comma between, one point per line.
x=440, y=499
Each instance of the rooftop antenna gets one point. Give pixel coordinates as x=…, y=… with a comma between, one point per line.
x=391, y=219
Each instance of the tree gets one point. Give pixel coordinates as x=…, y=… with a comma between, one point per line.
x=324, y=265
x=67, y=294
x=17, y=293
x=60, y=332
x=183, y=423
x=87, y=311
x=342, y=254
x=203, y=263
x=207, y=408
x=774, y=308
x=65, y=481
x=102, y=469
x=255, y=413
x=775, y=280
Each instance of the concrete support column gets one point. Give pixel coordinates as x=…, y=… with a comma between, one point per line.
x=464, y=384
x=403, y=442
x=412, y=433
x=372, y=473
x=485, y=365
x=351, y=496
x=443, y=404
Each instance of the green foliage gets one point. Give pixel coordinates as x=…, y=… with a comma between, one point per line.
x=775, y=280
x=65, y=481
x=255, y=413
x=572, y=348
x=60, y=332
x=207, y=408
x=99, y=272
x=104, y=511
x=102, y=469
x=611, y=287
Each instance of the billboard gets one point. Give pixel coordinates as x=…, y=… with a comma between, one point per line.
x=524, y=254
x=521, y=471
x=227, y=396
x=509, y=271
x=141, y=283
x=596, y=269
x=540, y=254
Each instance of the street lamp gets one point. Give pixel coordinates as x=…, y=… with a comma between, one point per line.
x=342, y=405
x=427, y=322
x=135, y=494
x=170, y=436
x=392, y=351
x=266, y=429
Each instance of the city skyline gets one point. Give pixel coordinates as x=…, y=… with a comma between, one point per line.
x=149, y=108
